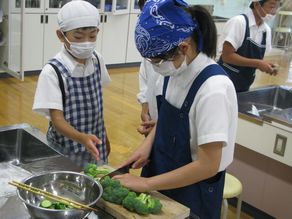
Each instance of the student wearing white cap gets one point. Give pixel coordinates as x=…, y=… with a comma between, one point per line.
x=244, y=41
x=69, y=88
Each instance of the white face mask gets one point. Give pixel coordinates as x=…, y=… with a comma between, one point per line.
x=167, y=68
x=82, y=50
x=268, y=17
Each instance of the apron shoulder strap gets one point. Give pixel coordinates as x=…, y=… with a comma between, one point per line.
x=247, y=33
x=61, y=82
x=98, y=62
x=165, y=83
x=206, y=73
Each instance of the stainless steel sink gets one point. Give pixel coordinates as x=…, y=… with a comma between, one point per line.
x=267, y=101
x=22, y=144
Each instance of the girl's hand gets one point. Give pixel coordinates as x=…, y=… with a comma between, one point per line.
x=90, y=141
x=135, y=183
x=140, y=157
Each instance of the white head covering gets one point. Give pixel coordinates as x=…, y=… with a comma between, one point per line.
x=77, y=14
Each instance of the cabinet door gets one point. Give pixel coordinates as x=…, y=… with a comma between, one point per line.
x=53, y=6
x=30, y=6
x=34, y=6
x=114, y=38
x=120, y=7
x=52, y=44
x=100, y=33
x=134, y=7
x=33, y=42
x=132, y=53
x=14, y=53
x=15, y=6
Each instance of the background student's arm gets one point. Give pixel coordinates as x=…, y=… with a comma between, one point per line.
x=230, y=56
x=64, y=128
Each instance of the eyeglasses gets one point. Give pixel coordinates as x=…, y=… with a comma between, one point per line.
x=168, y=57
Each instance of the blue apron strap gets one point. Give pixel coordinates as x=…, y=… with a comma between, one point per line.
x=165, y=83
x=264, y=38
x=247, y=33
x=207, y=72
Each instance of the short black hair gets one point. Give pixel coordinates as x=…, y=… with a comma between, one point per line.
x=261, y=3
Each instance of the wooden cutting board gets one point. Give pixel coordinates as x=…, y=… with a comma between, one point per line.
x=170, y=210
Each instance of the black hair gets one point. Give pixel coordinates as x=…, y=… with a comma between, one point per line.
x=141, y=4
x=261, y=3
x=207, y=28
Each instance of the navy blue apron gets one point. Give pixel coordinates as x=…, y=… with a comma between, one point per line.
x=171, y=150
x=242, y=77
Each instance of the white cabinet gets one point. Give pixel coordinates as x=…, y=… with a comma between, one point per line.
x=40, y=41
x=10, y=48
x=132, y=53
x=115, y=40
x=112, y=38
x=113, y=30
x=269, y=139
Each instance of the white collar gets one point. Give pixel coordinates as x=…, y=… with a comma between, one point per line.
x=252, y=22
x=193, y=70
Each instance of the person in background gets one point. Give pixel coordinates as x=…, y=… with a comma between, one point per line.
x=186, y=153
x=243, y=44
x=146, y=96
x=69, y=88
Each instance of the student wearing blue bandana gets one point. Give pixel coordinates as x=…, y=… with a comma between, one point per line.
x=186, y=153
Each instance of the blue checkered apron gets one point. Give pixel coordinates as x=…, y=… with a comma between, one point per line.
x=83, y=109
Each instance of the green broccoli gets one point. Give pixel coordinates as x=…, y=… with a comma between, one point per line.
x=113, y=191
x=108, y=182
x=94, y=171
x=141, y=204
x=154, y=205
x=129, y=201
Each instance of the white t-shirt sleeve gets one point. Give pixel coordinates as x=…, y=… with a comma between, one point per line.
x=214, y=111
x=105, y=78
x=142, y=95
x=48, y=94
x=233, y=32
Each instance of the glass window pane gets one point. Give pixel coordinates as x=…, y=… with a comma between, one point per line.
x=32, y=4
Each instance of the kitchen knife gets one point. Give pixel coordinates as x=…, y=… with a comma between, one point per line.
x=119, y=171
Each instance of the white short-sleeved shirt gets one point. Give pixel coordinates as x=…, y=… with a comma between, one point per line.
x=147, y=83
x=48, y=94
x=234, y=31
x=213, y=114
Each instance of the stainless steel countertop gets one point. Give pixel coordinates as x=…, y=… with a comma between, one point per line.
x=11, y=207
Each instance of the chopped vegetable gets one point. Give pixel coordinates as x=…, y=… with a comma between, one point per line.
x=113, y=191
x=53, y=205
x=143, y=204
x=94, y=171
x=46, y=203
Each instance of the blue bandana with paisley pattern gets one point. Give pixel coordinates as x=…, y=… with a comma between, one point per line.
x=162, y=26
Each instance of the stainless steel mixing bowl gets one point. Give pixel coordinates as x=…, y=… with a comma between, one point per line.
x=72, y=185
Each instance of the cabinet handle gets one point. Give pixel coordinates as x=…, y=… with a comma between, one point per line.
x=105, y=18
x=101, y=18
x=47, y=19
x=42, y=19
